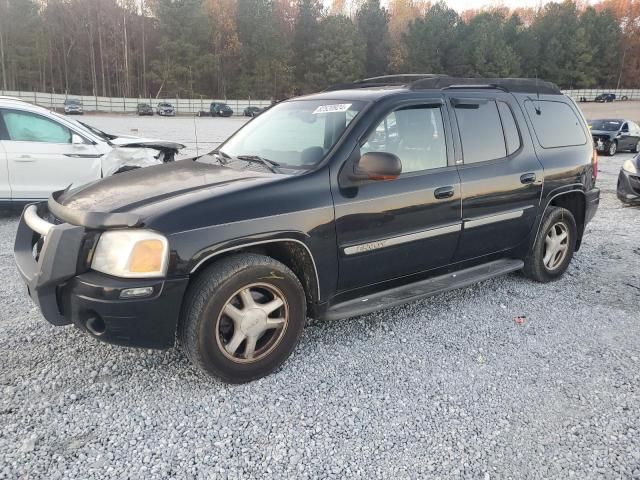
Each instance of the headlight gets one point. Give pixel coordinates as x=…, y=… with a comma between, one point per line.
x=629, y=166
x=131, y=254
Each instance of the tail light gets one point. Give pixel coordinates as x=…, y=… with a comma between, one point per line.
x=594, y=164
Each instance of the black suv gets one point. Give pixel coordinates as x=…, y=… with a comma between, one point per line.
x=330, y=205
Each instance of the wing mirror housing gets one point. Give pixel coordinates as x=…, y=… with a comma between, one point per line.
x=376, y=166
x=76, y=139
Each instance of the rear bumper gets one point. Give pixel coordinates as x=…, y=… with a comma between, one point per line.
x=50, y=260
x=592, y=198
x=628, y=190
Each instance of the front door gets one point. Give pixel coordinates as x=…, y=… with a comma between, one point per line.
x=41, y=157
x=500, y=173
x=389, y=229
x=5, y=189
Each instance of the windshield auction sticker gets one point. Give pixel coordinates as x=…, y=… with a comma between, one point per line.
x=338, y=107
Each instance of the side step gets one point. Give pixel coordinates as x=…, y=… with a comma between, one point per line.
x=422, y=289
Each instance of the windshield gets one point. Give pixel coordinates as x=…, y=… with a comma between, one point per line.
x=295, y=134
x=72, y=102
x=607, y=125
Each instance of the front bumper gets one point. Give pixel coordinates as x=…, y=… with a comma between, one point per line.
x=50, y=260
x=601, y=143
x=628, y=190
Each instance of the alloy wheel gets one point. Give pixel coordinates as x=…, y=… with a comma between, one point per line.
x=556, y=246
x=252, y=323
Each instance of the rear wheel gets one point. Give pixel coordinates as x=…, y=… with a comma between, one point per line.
x=553, y=248
x=243, y=317
x=636, y=149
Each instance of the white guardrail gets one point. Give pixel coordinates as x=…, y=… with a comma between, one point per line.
x=190, y=106
x=183, y=106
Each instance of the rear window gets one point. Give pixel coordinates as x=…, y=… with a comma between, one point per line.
x=555, y=124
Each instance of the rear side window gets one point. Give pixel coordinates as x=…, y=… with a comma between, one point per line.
x=555, y=124
x=480, y=131
x=511, y=134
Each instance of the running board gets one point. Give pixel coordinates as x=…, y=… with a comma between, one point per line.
x=422, y=289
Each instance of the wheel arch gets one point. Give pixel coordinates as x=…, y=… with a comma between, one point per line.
x=292, y=252
x=574, y=201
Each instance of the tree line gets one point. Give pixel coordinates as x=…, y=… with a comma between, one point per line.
x=279, y=48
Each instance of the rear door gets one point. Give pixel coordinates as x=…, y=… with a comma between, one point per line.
x=389, y=229
x=41, y=158
x=500, y=173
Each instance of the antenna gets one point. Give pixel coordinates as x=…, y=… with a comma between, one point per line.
x=538, y=109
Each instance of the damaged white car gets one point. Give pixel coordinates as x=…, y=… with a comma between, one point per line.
x=42, y=151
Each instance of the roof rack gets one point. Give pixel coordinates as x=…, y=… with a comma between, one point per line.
x=384, y=81
x=424, y=81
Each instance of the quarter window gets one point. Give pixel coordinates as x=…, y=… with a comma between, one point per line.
x=29, y=127
x=555, y=123
x=415, y=134
x=511, y=134
x=480, y=131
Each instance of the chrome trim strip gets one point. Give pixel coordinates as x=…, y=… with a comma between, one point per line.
x=500, y=217
x=388, y=242
x=36, y=223
x=275, y=240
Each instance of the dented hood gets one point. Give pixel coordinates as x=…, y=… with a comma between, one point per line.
x=136, y=142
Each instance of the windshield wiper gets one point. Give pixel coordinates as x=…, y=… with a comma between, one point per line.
x=270, y=164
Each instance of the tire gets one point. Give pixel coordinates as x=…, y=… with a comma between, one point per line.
x=613, y=148
x=636, y=149
x=559, y=220
x=208, y=334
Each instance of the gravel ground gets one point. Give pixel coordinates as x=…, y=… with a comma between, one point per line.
x=449, y=387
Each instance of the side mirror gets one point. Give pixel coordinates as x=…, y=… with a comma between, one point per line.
x=76, y=139
x=376, y=166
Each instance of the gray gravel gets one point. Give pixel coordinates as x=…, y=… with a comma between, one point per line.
x=449, y=387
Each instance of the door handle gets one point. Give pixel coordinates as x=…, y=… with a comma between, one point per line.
x=528, y=178
x=25, y=158
x=443, y=192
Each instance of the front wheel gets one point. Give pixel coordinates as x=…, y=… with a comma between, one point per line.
x=242, y=317
x=613, y=148
x=553, y=248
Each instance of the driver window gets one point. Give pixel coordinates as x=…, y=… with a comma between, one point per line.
x=28, y=127
x=415, y=135
x=625, y=127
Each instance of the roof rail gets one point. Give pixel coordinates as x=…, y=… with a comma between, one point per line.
x=424, y=81
x=384, y=81
x=513, y=85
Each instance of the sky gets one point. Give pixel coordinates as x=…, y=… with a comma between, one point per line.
x=461, y=5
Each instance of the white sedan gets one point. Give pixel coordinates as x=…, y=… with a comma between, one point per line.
x=42, y=151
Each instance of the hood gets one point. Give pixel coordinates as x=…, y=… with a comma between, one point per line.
x=136, y=142
x=604, y=133
x=141, y=188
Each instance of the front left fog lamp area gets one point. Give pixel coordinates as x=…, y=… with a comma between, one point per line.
x=136, y=292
